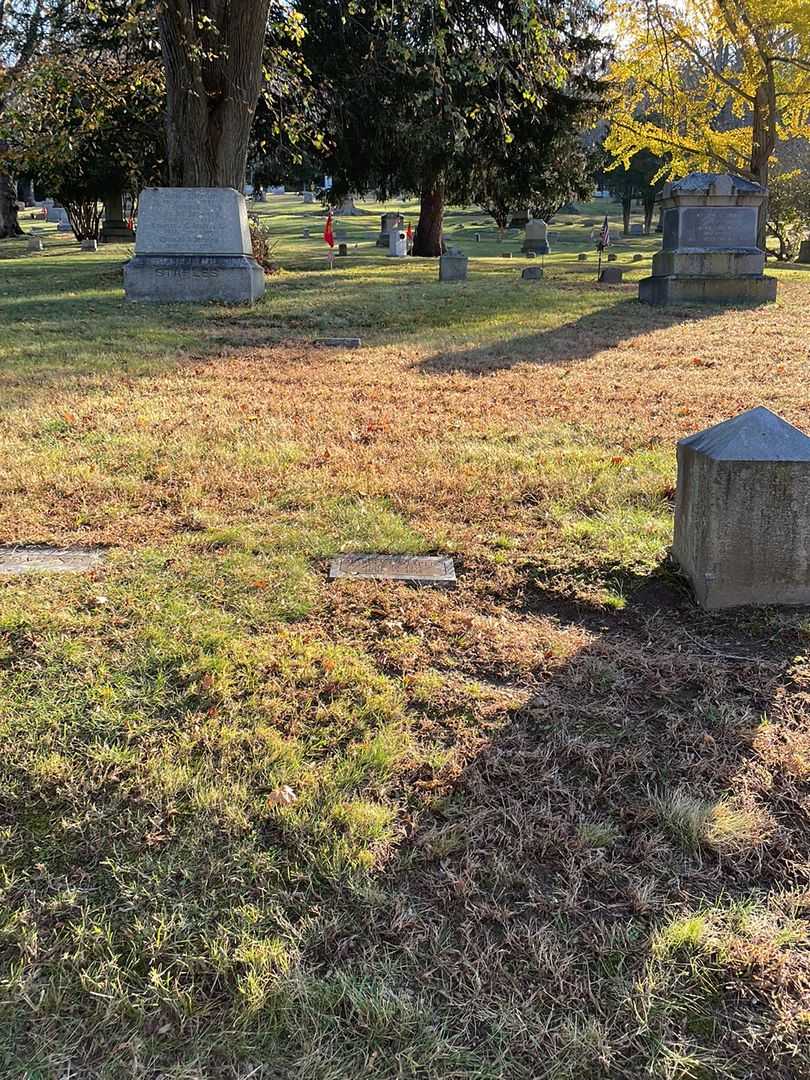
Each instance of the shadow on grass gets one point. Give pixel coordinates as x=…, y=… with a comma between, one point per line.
x=600, y=888
x=575, y=341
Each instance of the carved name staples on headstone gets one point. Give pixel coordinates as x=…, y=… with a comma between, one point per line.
x=193, y=244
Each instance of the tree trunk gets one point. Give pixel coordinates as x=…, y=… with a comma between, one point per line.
x=9, y=226
x=649, y=210
x=762, y=146
x=212, y=53
x=427, y=240
x=627, y=206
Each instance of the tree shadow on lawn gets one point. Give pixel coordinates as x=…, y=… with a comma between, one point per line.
x=596, y=892
x=574, y=341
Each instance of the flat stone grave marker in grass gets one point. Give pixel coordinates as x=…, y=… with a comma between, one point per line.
x=412, y=569
x=338, y=342
x=42, y=558
x=532, y=273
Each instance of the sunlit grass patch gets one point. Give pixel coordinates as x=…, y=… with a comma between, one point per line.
x=729, y=826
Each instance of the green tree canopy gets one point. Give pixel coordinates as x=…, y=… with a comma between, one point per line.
x=414, y=92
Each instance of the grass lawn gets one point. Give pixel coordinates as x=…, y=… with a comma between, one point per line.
x=551, y=824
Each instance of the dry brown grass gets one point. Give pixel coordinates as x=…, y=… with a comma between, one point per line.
x=552, y=824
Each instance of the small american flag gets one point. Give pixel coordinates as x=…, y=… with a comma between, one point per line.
x=604, y=235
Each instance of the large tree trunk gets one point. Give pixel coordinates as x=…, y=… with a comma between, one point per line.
x=9, y=226
x=627, y=206
x=763, y=142
x=649, y=210
x=213, y=80
x=427, y=239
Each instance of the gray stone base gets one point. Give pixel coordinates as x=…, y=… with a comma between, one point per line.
x=661, y=291
x=172, y=279
x=539, y=247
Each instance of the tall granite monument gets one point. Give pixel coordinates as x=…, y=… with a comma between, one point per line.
x=193, y=245
x=710, y=252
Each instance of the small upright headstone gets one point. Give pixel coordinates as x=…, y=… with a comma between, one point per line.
x=453, y=267
x=611, y=275
x=398, y=244
x=35, y=243
x=507, y=254
x=532, y=273
x=581, y=257
x=536, y=237
x=193, y=244
x=478, y=238
x=742, y=512
x=89, y=244
x=638, y=257
x=710, y=251
x=114, y=228
x=343, y=249
x=804, y=252
x=612, y=256
x=636, y=229
x=309, y=197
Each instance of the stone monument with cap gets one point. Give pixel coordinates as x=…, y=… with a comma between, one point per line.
x=536, y=238
x=710, y=252
x=742, y=512
x=389, y=223
x=193, y=244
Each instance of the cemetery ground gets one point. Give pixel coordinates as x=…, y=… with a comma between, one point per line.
x=552, y=823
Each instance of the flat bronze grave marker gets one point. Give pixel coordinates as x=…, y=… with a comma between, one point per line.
x=412, y=569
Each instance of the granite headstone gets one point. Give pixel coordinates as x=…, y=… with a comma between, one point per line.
x=742, y=512
x=193, y=245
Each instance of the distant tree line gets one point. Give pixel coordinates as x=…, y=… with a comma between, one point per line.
x=452, y=102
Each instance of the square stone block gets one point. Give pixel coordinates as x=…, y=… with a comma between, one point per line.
x=453, y=268
x=742, y=513
x=612, y=275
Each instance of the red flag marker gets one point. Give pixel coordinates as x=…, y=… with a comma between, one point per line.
x=328, y=233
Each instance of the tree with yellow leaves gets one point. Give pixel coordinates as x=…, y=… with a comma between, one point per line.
x=714, y=85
